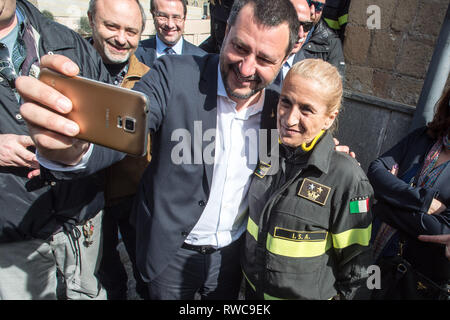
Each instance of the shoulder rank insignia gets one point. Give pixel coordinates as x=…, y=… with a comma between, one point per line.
x=359, y=205
x=262, y=169
x=314, y=191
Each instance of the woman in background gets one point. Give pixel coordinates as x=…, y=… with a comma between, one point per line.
x=412, y=187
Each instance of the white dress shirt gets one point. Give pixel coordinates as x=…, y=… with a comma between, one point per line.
x=161, y=46
x=224, y=218
x=287, y=65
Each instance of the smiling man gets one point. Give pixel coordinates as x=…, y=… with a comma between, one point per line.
x=190, y=217
x=117, y=26
x=169, y=17
x=116, y=29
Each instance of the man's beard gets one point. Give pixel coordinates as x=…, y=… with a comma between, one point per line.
x=113, y=59
x=251, y=93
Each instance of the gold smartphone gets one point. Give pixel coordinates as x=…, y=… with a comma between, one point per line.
x=107, y=115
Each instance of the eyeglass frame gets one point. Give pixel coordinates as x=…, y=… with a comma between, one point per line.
x=318, y=6
x=165, y=18
x=6, y=64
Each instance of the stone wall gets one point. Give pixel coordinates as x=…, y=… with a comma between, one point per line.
x=391, y=62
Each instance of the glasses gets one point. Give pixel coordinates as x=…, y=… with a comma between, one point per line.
x=317, y=5
x=307, y=25
x=161, y=16
x=7, y=71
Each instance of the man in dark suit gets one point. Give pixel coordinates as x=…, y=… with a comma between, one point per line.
x=205, y=112
x=169, y=17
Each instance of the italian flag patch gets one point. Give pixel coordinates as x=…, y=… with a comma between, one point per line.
x=359, y=205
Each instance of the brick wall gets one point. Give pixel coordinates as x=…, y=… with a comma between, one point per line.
x=391, y=62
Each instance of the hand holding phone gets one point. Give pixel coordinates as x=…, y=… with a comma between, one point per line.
x=107, y=115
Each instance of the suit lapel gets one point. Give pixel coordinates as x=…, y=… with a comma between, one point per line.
x=208, y=113
x=152, y=53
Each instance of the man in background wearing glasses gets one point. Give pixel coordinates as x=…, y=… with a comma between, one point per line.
x=169, y=17
x=316, y=39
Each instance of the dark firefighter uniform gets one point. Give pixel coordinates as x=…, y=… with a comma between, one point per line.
x=335, y=14
x=309, y=226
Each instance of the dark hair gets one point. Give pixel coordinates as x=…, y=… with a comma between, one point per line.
x=152, y=7
x=271, y=13
x=93, y=10
x=440, y=124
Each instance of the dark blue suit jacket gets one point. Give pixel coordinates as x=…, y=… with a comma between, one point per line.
x=146, y=52
x=173, y=196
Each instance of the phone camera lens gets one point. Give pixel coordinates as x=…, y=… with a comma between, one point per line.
x=130, y=124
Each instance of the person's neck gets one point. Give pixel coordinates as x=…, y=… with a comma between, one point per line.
x=444, y=156
x=7, y=27
x=115, y=68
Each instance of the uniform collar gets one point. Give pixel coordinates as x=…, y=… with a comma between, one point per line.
x=321, y=154
x=318, y=157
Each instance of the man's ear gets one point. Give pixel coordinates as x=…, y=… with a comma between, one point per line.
x=91, y=20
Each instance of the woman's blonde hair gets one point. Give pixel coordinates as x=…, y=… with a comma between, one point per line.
x=329, y=79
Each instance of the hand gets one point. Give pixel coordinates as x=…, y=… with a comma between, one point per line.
x=34, y=173
x=436, y=207
x=442, y=238
x=344, y=149
x=394, y=170
x=52, y=133
x=14, y=152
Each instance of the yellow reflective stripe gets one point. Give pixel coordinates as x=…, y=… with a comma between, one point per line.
x=334, y=24
x=343, y=19
x=266, y=296
x=297, y=249
x=353, y=236
x=252, y=228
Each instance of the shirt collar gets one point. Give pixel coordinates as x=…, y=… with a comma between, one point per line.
x=220, y=86
x=290, y=60
x=160, y=46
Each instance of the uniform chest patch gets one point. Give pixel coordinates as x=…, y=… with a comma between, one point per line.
x=294, y=235
x=262, y=169
x=314, y=191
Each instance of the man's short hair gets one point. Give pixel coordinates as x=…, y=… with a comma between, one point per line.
x=152, y=7
x=93, y=10
x=271, y=13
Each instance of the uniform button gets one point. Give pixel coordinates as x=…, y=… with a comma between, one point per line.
x=184, y=234
x=53, y=183
x=202, y=203
x=18, y=116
